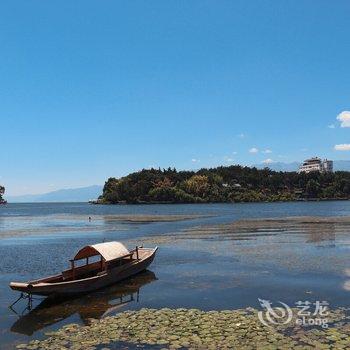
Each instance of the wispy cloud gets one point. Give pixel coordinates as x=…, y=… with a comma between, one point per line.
x=342, y=147
x=234, y=152
x=268, y=161
x=331, y=126
x=228, y=159
x=344, y=118
x=195, y=160
x=241, y=135
x=253, y=150
x=267, y=151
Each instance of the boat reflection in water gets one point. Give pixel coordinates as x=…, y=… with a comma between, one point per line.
x=96, y=305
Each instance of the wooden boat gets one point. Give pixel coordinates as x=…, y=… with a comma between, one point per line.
x=114, y=263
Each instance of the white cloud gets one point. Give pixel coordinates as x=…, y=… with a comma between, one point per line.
x=228, y=159
x=331, y=126
x=253, y=150
x=268, y=161
x=344, y=118
x=194, y=160
x=342, y=147
x=234, y=152
x=267, y=151
x=241, y=135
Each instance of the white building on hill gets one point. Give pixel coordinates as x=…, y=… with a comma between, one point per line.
x=316, y=164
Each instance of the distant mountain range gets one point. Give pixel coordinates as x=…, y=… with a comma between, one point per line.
x=279, y=166
x=82, y=194
x=338, y=165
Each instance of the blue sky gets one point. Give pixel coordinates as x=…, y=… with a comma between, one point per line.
x=93, y=89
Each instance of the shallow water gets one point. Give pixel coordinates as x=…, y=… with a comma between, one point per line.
x=218, y=270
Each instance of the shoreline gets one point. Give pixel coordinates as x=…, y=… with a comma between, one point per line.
x=225, y=202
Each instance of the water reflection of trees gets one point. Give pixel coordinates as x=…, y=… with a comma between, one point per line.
x=93, y=305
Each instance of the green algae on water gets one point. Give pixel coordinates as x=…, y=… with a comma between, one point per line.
x=196, y=329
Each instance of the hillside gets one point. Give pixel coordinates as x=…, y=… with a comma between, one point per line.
x=224, y=184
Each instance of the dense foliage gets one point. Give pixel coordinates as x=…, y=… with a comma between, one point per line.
x=2, y=191
x=224, y=184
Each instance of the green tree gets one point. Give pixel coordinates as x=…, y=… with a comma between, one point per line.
x=224, y=184
x=312, y=188
x=197, y=185
x=2, y=191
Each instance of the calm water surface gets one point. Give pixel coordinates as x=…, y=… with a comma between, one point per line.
x=214, y=271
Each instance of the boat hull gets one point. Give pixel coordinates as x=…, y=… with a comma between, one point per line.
x=88, y=284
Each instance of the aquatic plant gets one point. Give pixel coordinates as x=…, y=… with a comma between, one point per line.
x=195, y=329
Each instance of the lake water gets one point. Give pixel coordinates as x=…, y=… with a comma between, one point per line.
x=212, y=271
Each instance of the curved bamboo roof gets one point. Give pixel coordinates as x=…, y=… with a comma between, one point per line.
x=108, y=251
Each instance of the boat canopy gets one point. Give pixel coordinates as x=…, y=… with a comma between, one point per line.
x=109, y=251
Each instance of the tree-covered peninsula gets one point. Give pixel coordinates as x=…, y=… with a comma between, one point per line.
x=224, y=184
